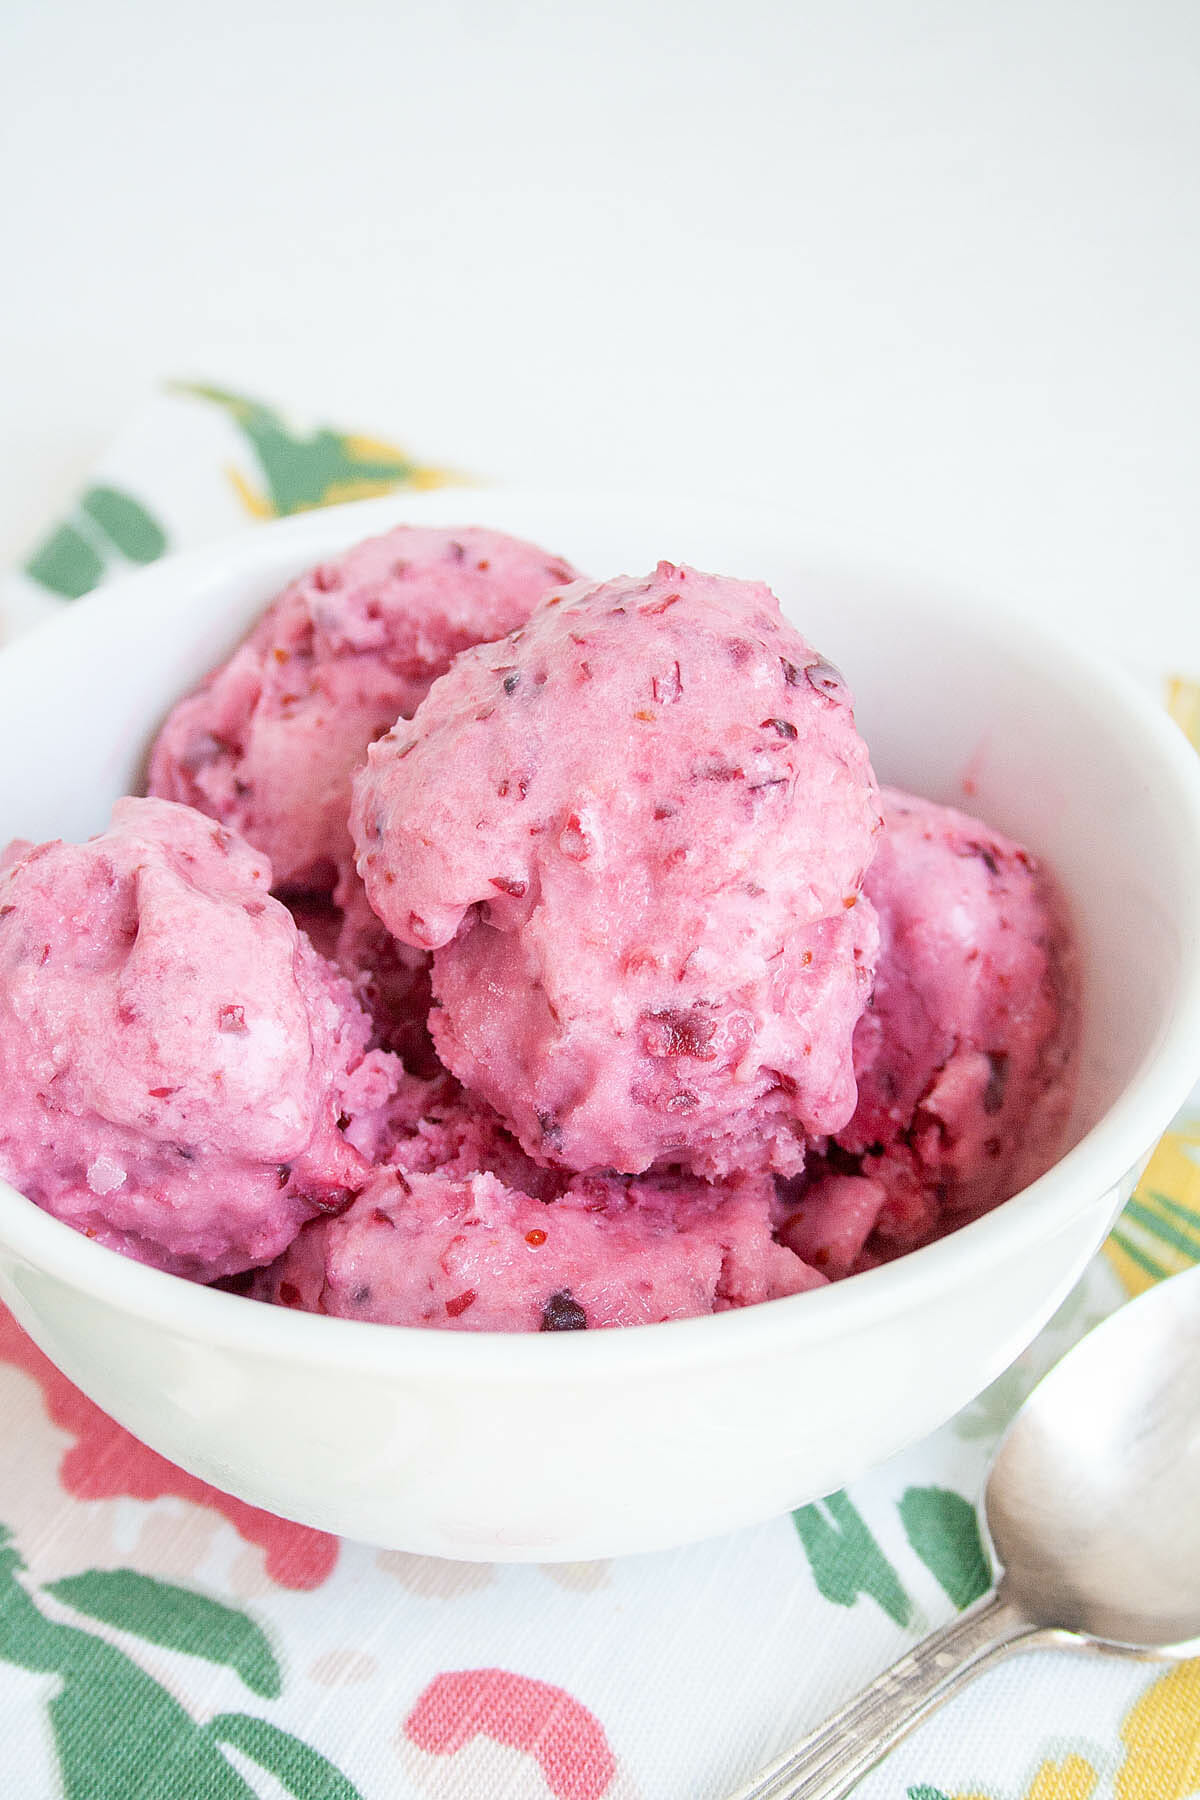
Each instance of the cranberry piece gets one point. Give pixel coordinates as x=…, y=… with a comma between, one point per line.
x=329, y=1202
x=986, y=856
x=993, y=1094
x=676, y=1031
x=515, y=888
x=685, y=1101
x=232, y=1018
x=552, y=1132
x=717, y=769
x=562, y=1313
x=458, y=1306
x=827, y=681
x=784, y=727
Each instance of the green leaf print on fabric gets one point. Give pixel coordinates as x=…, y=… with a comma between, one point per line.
x=303, y=1772
x=943, y=1529
x=66, y=564
x=126, y=523
x=178, y=1619
x=119, y=1734
x=108, y=527
x=845, y=1559
x=926, y=1793
x=317, y=470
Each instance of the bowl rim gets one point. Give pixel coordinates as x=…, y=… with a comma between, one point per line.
x=1095, y=1166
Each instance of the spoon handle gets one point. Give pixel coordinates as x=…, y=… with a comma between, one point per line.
x=833, y=1757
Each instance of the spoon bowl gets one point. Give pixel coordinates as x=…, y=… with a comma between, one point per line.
x=1093, y=1500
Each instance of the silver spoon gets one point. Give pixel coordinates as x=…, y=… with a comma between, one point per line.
x=1093, y=1504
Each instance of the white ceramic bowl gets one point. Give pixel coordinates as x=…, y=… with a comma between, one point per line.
x=576, y=1445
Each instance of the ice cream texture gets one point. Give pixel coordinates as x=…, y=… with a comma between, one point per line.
x=468, y=1252
x=634, y=834
x=268, y=742
x=964, y=1055
x=184, y=1077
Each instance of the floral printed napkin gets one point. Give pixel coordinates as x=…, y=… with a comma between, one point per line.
x=162, y=1641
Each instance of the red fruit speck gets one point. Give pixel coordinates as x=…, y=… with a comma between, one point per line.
x=829, y=682
x=460, y=1303
x=163, y=1093
x=784, y=727
x=535, y=1238
x=329, y=1202
x=683, y=1102
x=634, y=961
x=289, y=1294
x=562, y=1313
x=418, y=929
x=676, y=1031
x=232, y=1018
x=515, y=888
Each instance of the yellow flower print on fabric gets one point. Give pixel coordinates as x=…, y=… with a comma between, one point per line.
x=1183, y=704
x=1158, y=1234
x=1161, y=1735
x=1072, y=1779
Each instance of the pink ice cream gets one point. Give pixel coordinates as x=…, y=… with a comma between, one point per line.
x=467, y=1252
x=435, y=1124
x=964, y=1055
x=634, y=833
x=268, y=742
x=183, y=1077
x=391, y=980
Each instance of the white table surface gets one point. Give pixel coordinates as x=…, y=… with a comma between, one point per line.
x=925, y=271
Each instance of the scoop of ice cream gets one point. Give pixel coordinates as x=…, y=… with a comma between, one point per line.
x=268, y=743
x=964, y=1055
x=467, y=1252
x=182, y=1076
x=634, y=834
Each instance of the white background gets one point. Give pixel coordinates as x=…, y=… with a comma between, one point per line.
x=926, y=272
